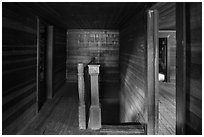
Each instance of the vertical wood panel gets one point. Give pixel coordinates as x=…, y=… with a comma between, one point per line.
x=152, y=71
x=167, y=15
x=194, y=68
x=189, y=83
x=181, y=68
x=49, y=60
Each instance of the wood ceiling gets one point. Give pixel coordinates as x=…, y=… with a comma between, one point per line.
x=86, y=15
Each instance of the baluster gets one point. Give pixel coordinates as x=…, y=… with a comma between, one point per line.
x=82, y=112
x=95, y=110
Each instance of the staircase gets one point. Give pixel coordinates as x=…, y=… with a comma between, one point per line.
x=123, y=130
x=112, y=130
x=92, y=109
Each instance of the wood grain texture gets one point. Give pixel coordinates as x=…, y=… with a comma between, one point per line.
x=133, y=69
x=83, y=15
x=18, y=67
x=59, y=116
x=167, y=109
x=167, y=15
x=167, y=21
x=152, y=72
x=83, y=45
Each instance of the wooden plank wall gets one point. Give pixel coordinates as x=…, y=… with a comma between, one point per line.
x=83, y=45
x=194, y=69
x=167, y=15
x=18, y=67
x=167, y=22
x=133, y=69
x=59, y=65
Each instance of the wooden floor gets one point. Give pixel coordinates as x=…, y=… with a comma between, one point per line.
x=167, y=109
x=59, y=116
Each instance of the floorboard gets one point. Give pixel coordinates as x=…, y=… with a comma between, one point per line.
x=167, y=109
x=59, y=116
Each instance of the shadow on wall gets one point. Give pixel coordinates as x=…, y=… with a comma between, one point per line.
x=132, y=69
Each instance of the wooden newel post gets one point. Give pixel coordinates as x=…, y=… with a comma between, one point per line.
x=82, y=112
x=95, y=110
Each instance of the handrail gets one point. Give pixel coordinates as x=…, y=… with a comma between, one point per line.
x=93, y=59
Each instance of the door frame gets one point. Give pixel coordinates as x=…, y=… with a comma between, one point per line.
x=49, y=61
x=49, y=47
x=38, y=57
x=152, y=72
x=166, y=34
x=181, y=66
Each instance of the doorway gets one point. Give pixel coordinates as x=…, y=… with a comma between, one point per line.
x=41, y=62
x=167, y=84
x=167, y=56
x=44, y=63
x=163, y=59
x=164, y=54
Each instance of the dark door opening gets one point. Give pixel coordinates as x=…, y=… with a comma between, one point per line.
x=163, y=59
x=167, y=84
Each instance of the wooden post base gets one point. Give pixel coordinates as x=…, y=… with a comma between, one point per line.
x=94, y=117
x=82, y=117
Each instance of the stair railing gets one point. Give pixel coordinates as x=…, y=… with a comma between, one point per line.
x=84, y=91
